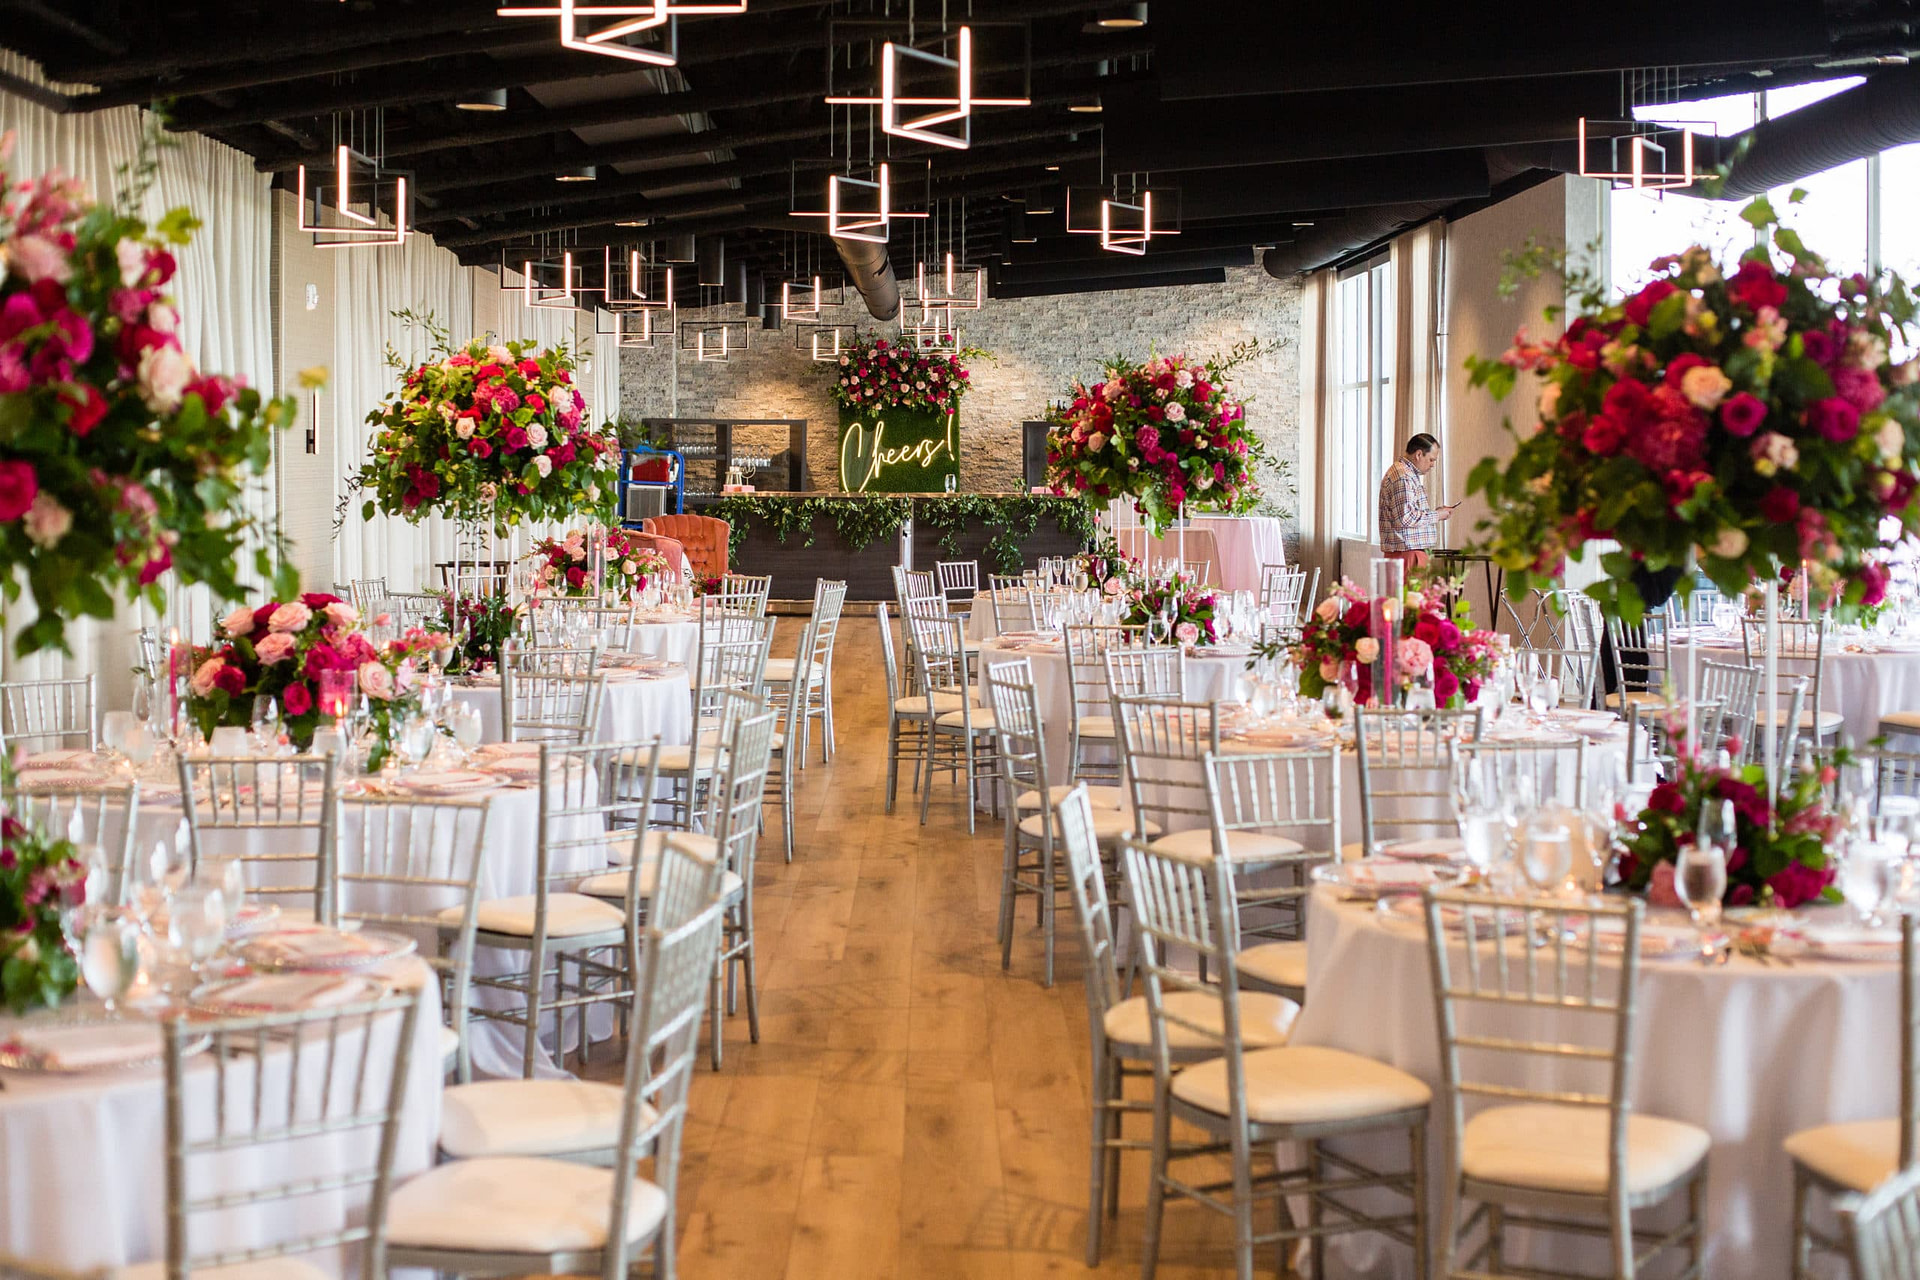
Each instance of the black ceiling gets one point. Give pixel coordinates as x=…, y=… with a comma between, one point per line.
x=1321, y=126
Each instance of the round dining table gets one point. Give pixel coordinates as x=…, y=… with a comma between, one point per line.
x=1861, y=677
x=1750, y=1050
x=667, y=634
x=638, y=704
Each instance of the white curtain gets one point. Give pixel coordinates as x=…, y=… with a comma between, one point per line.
x=1319, y=422
x=371, y=284
x=1418, y=259
x=603, y=395
x=223, y=289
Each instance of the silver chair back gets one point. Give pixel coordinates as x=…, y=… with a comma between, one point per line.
x=1296, y=793
x=1282, y=591
x=959, y=580
x=537, y=706
x=1802, y=655
x=1163, y=751
x=106, y=818
x=293, y=799
x=1404, y=758
x=1883, y=1229
x=42, y=714
x=1735, y=689
x=1147, y=671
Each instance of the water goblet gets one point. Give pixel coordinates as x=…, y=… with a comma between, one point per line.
x=197, y=923
x=466, y=727
x=1700, y=872
x=1546, y=850
x=109, y=956
x=264, y=727
x=115, y=729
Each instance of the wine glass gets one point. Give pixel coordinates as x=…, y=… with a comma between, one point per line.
x=197, y=923
x=1476, y=810
x=1700, y=872
x=417, y=737
x=109, y=956
x=115, y=728
x=466, y=727
x=1546, y=851
x=264, y=728
x=139, y=744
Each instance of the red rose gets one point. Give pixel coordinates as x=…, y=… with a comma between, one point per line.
x=296, y=699
x=214, y=391
x=19, y=484
x=1780, y=505
x=86, y=407
x=1755, y=286
x=1743, y=414
x=514, y=437
x=1834, y=419
x=529, y=368
x=1639, y=308
x=153, y=568
x=1666, y=798
x=1604, y=436
x=536, y=403
x=230, y=679
x=318, y=599
x=480, y=448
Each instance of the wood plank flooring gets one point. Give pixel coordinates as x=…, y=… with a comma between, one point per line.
x=911, y=1111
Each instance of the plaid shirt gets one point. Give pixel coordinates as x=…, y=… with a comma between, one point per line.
x=1406, y=522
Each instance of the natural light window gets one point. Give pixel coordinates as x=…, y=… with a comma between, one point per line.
x=1363, y=323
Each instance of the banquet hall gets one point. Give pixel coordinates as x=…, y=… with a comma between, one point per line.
x=868, y=639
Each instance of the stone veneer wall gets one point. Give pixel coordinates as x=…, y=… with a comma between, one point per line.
x=1039, y=345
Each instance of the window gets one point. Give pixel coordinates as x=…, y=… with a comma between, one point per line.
x=1363, y=366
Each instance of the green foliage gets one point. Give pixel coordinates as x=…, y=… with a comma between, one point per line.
x=861, y=521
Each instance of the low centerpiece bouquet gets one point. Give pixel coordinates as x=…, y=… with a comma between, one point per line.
x=488, y=432
x=119, y=460
x=484, y=624
x=1169, y=434
x=1109, y=570
x=40, y=878
x=629, y=564
x=1780, y=854
x=1744, y=418
x=1431, y=638
x=1188, y=606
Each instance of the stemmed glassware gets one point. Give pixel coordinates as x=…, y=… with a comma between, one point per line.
x=1477, y=810
x=109, y=955
x=464, y=718
x=197, y=923
x=263, y=730
x=1700, y=873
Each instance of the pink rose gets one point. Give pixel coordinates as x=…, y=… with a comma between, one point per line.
x=342, y=614
x=1412, y=656
x=376, y=681
x=1660, y=890
x=38, y=258
x=1186, y=633
x=239, y=622
x=275, y=646
x=204, y=676
x=1111, y=586
x=293, y=616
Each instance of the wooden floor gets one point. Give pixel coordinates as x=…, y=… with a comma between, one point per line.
x=912, y=1110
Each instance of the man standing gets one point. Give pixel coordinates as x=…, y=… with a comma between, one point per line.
x=1409, y=528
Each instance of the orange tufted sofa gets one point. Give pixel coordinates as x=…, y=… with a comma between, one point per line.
x=702, y=537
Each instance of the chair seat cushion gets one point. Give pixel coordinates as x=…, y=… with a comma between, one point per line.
x=1829, y=720
x=289, y=1268
x=569, y=915
x=917, y=705
x=1561, y=1148
x=531, y=1118
x=1635, y=698
x=780, y=671
x=712, y=757
x=1904, y=721
x=613, y=885
x=1264, y=1020
x=1274, y=964
x=1096, y=726
x=620, y=851
x=1860, y=1154
x=1244, y=848
x=982, y=719
x=1108, y=825
x=1098, y=797
x=516, y=1204
x=1304, y=1085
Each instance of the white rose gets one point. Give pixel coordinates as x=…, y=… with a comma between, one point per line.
x=1183, y=379
x=1205, y=481
x=445, y=411
x=1176, y=412
x=463, y=428
x=162, y=318
x=1781, y=451
x=593, y=493
x=1730, y=545
x=1133, y=464
x=1891, y=438
x=629, y=568
x=1705, y=386
x=544, y=465
x=163, y=374
x=537, y=436
x=132, y=257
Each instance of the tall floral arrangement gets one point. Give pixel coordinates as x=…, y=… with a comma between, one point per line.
x=119, y=460
x=488, y=432
x=564, y=564
x=1745, y=417
x=875, y=373
x=1169, y=433
x=1432, y=638
x=40, y=877
x=1780, y=849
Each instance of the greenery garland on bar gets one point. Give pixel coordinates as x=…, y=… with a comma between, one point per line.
x=861, y=522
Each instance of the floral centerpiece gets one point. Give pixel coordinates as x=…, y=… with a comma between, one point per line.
x=1188, y=605
x=39, y=878
x=629, y=564
x=1780, y=854
x=391, y=684
x=1742, y=418
x=875, y=373
x=488, y=432
x=277, y=649
x=1433, y=638
x=120, y=459
x=1109, y=570
x=485, y=622
x=1169, y=433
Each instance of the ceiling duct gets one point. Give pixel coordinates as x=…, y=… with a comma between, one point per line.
x=871, y=272
x=1317, y=246
x=1876, y=116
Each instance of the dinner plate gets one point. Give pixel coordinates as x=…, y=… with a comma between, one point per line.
x=519, y=767
x=1377, y=877
x=1427, y=849
x=324, y=949
x=74, y=779
x=66, y=758
x=1850, y=942
x=282, y=993
x=510, y=749
x=1411, y=910
x=453, y=782
x=61, y=1047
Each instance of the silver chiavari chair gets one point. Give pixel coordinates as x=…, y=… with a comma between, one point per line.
x=1282, y=591
x=1801, y=655
x=550, y=659
x=404, y=866
x=1735, y=690
x=959, y=582
x=369, y=596
x=1642, y=660
x=812, y=667
x=1896, y=776
x=909, y=718
x=732, y=659
x=590, y=796
x=1246, y=1099
x=1553, y=771
x=41, y=714
x=1542, y=1157
x=745, y=593
x=1147, y=671
x=1253, y=797
x=1404, y=760
x=1090, y=731
x=1883, y=1229
x=1163, y=748
x=1013, y=604
x=494, y=1216
x=538, y=706
x=287, y=802
x=960, y=741
x=1852, y=1158
x=571, y=1119
x=106, y=818
x=1120, y=1028
x=243, y=1093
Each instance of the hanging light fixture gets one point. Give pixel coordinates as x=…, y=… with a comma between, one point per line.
x=714, y=341
x=847, y=223
x=482, y=100
x=639, y=285
x=604, y=28
x=626, y=326
x=955, y=56
x=1636, y=154
x=1117, y=17
x=372, y=205
x=578, y=173
x=558, y=276
x=1126, y=218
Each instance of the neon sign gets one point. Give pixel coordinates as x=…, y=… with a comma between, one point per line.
x=915, y=455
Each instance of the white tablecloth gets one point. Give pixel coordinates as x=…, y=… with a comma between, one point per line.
x=674, y=637
x=1750, y=1053
x=632, y=708
x=82, y=1182
x=1862, y=687
x=1236, y=546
